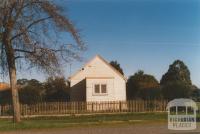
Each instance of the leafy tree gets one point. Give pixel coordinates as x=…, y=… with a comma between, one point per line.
x=117, y=66
x=57, y=89
x=150, y=93
x=143, y=86
x=177, y=71
x=30, y=91
x=176, y=82
x=30, y=32
x=195, y=93
x=5, y=96
x=177, y=89
x=22, y=82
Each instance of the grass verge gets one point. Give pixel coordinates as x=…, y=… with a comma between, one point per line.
x=83, y=120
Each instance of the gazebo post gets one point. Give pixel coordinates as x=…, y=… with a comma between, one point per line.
x=186, y=110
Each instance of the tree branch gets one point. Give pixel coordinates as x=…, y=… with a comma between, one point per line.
x=25, y=51
x=19, y=11
x=18, y=57
x=30, y=25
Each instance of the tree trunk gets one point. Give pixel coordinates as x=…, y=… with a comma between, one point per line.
x=10, y=55
x=15, y=97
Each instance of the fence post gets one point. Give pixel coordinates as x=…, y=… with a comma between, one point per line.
x=92, y=106
x=120, y=106
x=45, y=108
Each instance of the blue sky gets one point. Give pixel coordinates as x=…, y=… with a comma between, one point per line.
x=139, y=34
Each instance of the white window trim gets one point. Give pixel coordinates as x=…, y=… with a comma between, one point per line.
x=100, y=94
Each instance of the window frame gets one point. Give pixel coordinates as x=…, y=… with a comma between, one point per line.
x=100, y=89
x=95, y=88
x=105, y=89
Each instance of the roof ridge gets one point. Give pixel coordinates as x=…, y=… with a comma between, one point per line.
x=101, y=58
x=112, y=67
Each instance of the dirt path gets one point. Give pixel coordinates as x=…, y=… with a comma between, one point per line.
x=119, y=129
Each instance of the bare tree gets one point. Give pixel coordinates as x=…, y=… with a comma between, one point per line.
x=29, y=33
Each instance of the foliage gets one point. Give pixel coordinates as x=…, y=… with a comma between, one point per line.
x=30, y=31
x=195, y=93
x=30, y=91
x=142, y=85
x=117, y=66
x=5, y=97
x=57, y=89
x=176, y=82
x=177, y=71
x=176, y=89
x=150, y=93
x=22, y=82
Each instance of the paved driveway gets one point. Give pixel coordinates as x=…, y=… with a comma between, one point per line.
x=119, y=129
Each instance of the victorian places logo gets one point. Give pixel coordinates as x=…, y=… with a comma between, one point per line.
x=182, y=114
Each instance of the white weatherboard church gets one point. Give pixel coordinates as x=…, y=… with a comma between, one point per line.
x=98, y=81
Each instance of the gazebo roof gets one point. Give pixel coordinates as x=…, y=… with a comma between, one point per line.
x=182, y=102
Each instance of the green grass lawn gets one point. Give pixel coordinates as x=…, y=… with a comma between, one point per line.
x=83, y=120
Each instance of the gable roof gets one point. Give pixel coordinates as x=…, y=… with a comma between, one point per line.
x=104, y=61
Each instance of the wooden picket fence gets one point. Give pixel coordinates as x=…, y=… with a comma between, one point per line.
x=64, y=108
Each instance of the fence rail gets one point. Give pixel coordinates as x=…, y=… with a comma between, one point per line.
x=62, y=108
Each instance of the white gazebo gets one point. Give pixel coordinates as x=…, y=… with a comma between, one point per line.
x=182, y=114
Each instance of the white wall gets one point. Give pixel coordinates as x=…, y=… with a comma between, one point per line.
x=91, y=96
x=97, y=71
